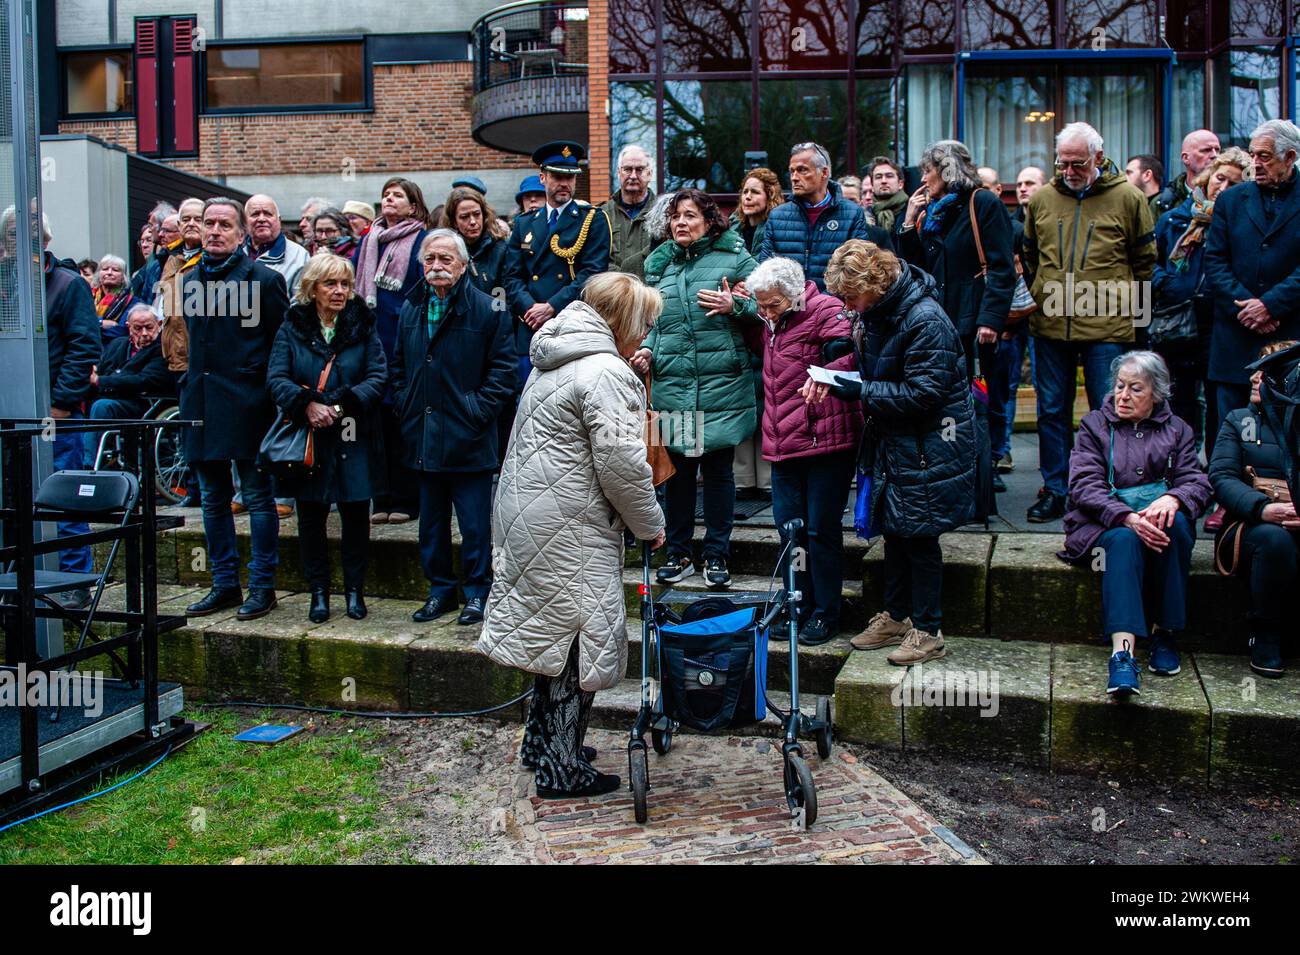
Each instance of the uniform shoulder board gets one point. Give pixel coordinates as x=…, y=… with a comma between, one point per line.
x=581, y=202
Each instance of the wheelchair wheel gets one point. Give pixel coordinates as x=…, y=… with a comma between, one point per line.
x=640, y=776
x=826, y=735
x=169, y=458
x=800, y=791
x=662, y=740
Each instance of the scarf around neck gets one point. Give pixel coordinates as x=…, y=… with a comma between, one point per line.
x=1194, y=234
x=385, y=258
x=937, y=212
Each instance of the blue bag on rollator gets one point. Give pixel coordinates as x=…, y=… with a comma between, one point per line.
x=714, y=666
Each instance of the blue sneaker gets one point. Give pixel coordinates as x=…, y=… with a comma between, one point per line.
x=1164, y=654
x=1123, y=674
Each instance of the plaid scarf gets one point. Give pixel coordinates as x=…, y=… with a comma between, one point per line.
x=1194, y=234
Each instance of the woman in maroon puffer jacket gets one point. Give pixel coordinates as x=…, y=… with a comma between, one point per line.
x=812, y=447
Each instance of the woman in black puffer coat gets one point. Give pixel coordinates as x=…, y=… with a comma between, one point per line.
x=329, y=321
x=919, y=447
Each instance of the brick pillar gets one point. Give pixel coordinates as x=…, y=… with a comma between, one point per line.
x=598, y=99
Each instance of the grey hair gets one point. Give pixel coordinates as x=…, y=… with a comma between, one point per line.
x=7, y=218
x=141, y=307
x=953, y=161
x=1284, y=133
x=435, y=234
x=777, y=275
x=113, y=260
x=656, y=217
x=161, y=211
x=631, y=148
x=1073, y=131
x=1149, y=366
x=821, y=158
x=317, y=203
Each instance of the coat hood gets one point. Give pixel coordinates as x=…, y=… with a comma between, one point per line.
x=578, y=331
x=672, y=251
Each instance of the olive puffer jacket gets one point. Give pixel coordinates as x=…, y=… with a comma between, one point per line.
x=920, y=439
x=703, y=377
x=575, y=475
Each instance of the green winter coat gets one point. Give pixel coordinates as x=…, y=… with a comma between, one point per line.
x=703, y=379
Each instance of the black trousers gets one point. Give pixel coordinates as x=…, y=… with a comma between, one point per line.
x=719, y=502
x=556, y=727
x=403, y=487
x=1269, y=559
x=355, y=516
x=914, y=580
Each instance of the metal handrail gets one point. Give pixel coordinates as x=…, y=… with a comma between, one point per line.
x=497, y=63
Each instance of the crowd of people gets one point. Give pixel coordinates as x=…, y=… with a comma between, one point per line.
x=448, y=358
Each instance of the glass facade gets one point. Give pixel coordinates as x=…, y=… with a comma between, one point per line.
x=701, y=82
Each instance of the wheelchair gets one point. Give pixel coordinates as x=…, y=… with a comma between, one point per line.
x=169, y=449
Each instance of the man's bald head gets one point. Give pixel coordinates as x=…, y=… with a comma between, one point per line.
x=1200, y=147
x=263, y=220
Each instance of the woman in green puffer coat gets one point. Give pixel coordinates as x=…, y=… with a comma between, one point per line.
x=703, y=379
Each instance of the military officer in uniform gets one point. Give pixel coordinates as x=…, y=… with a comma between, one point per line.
x=554, y=249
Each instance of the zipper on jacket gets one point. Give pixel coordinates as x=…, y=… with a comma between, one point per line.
x=920, y=448
x=1083, y=258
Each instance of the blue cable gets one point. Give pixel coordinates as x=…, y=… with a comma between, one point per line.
x=103, y=792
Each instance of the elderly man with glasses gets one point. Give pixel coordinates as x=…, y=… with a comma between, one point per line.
x=631, y=240
x=1090, y=246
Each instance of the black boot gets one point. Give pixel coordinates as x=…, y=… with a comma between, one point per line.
x=260, y=602
x=218, y=598
x=1048, y=507
x=356, y=603
x=320, y=605
x=1266, y=653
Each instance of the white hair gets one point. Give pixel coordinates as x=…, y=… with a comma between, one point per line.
x=1149, y=366
x=1284, y=134
x=656, y=217
x=435, y=234
x=7, y=217
x=141, y=307
x=821, y=158
x=631, y=148
x=1075, y=131
x=777, y=275
x=113, y=260
x=315, y=204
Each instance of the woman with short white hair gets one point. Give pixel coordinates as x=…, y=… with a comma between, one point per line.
x=812, y=447
x=1136, y=490
x=113, y=298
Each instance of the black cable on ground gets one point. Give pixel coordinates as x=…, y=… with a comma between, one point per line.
x=367, y=714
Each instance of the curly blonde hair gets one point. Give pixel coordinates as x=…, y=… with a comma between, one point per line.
x=1232, y=156
x=860, y=267
x=771, y=186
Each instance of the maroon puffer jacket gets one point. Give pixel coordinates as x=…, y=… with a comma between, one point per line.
x=791, y=427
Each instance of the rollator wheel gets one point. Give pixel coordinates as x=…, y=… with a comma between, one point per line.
x=662, y=741
x=826, y=735
x=640, y=776
x=800, y=791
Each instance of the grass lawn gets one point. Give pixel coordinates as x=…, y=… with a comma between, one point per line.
x=312, y=799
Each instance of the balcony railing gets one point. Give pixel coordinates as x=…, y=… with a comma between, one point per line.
x=530, y=40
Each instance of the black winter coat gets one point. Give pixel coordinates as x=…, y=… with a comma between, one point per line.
x=71, y=334
x=920, y=440
x=1245, y=440
x=350, y=453
x=951, y=257
x=123, y=375
x=225, y=384
x=451, y=389
x=489, y=265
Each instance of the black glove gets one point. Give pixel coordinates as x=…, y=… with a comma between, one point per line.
x=846, y=389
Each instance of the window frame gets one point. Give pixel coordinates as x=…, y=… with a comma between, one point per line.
x=367, y=77
x=65, y=114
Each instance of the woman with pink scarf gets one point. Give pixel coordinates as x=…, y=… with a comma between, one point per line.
x=388, y=269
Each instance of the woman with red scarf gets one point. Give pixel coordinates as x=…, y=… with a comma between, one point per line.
x=113, y=298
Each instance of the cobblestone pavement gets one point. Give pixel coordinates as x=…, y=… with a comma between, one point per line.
x=719, y=799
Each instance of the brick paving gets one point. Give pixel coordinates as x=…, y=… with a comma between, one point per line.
x=719, y=799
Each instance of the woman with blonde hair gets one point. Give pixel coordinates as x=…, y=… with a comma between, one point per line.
x=575, y=477
x=327, y=368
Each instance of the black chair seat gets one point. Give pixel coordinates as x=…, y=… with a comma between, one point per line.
x=51, y=582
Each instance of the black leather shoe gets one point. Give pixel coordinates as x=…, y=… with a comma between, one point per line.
x=603, y=783
x=473, y=612
x=434, y=608
x=260, y=602
x=1049, y=507
x=218, y=598
x=589, y=755
x=320, y=606
x=815, y=632
x=356, y=604
x=999, y=485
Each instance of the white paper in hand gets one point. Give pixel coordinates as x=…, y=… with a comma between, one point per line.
x=826, y=376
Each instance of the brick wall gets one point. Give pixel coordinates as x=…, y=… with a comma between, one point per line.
x=421, y=120
x=597, y=98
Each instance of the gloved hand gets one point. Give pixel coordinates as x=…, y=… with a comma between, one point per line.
x=846, y=389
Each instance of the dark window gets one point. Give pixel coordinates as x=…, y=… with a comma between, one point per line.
x=706, y=133
x=631, y=36
x=927, y=25
x=294, y=74
x=799, y=111
x=99, y=82
x=1109, y=24
x=875, y=120
x=633, y=120
x=875, y=32
x=706, y=36
x=1009, y=25
x=1247, y=91
x=1186, y=28
x=1251, y=19
x=803, y=34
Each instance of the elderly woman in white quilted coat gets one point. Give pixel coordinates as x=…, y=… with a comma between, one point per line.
x=575, y=477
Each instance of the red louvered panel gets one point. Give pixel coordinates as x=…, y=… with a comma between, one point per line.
x=146, y=88
x=185, y=110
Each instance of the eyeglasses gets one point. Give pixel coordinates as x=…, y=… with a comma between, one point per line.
x=1076, y=164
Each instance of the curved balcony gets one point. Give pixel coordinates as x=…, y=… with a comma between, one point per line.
x=530, y=75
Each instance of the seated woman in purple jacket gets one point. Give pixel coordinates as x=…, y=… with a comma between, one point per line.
x=812, y=447
x=1136, y=490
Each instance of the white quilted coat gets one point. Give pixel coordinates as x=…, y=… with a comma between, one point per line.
x=575, y=476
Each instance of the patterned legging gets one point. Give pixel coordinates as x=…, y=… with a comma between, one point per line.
x=555, y=728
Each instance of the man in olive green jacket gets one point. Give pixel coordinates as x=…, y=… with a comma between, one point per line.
x=626, y=211
x=1090, y=246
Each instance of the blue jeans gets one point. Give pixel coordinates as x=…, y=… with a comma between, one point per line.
x=217, y=488
x=1054, y=376
x=1138, y=584
x=68, y=456
x=1010, y=359
x=109, y=408
x=471, y=495
x=816, y=489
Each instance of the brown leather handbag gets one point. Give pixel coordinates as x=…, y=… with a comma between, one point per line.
x=661, y=465
x=1022, y=303
x=1227, y=546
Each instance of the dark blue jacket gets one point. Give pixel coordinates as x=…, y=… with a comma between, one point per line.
x=126, y=375
x=489, y=264
x=71, y=335
x=1176, y=285
x=1245, y=440
x=451, y=388
x=1247, y=256
x=787, y=234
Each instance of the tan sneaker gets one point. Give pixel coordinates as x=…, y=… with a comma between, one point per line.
x=918, y=647
x=882, y=631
